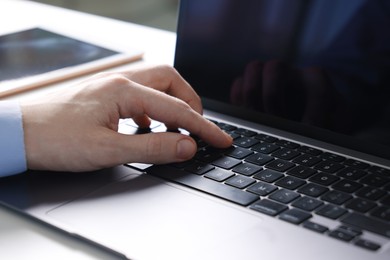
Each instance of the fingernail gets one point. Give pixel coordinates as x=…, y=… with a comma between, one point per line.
x=185, y=149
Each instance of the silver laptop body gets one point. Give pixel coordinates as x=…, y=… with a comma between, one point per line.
x=302, y=89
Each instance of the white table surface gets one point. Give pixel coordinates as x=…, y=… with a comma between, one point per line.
x=20, y=236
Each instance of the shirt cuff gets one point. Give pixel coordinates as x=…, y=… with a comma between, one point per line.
x=12, y=150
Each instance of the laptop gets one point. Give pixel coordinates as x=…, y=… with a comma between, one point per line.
x=302, y=87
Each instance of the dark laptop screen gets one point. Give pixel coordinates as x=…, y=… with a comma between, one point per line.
x=317, y=65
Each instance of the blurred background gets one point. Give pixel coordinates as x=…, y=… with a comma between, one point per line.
x=160, y=14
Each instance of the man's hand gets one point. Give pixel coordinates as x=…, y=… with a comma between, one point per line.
x=77, y=130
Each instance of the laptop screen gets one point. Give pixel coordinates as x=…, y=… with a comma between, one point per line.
x=319, y=68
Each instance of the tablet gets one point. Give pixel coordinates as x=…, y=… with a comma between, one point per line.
x=37, y=57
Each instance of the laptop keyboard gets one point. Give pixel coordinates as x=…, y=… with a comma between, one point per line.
x=292, y=182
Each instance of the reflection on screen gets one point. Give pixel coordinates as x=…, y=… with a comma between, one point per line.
x=322, y=63
x=37, y=51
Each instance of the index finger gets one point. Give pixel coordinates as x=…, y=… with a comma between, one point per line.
x=171, y=111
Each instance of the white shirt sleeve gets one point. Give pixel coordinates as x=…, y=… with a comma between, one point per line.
x=12, y=150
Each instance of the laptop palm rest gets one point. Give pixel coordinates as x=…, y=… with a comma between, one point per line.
x=145, y=218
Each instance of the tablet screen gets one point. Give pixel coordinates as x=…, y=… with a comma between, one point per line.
x=37, y=51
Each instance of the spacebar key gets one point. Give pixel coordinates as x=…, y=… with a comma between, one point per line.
x=369, y=224
x=201, y=183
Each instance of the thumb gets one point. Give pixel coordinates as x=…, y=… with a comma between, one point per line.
x=156, y=148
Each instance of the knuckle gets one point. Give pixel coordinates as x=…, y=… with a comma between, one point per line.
x=183, y=105
x=166, y=71
x=166, y=68
x=102, y=74
x=115, y=83
x=184, y=108
x=118, y=79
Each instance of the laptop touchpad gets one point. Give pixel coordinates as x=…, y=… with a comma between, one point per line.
x=144, y=218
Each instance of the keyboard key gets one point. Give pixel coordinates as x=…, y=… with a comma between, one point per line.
x=284, y=196
x=239, y=153
x=351, y=173
x=336, y=197
x=226, y=162
x=268, y=207
x=247, y=169
x=226, y=127
x=199, y=142
x=219, y=174
x=259, y=159
x=379, y=170
x=294, y=216
x=287, y=144
x=341, y=235
x=307, y=203
x=290, y=182
x=199, y=168
x=262, y=188
x=307, y=160
x=240, y=181
x=285, y=154
x=360, y=205
x=245, y=132
x=309, y=150
x=266, y=138
x=182, y=165
x=382, y=213
x=315, y=227
x=280, y=165
x=367, y=223
x=207, y=155
x=233, y=135
x=375, y=180
x=203, y=184
x=331, y=211
x=371, y=193
x=352, y=230
x=367, y=244
x=356, y=164
x=324, y=179
x=268, y=175
x=332, y=157
x=328, y=166
x=245, y=142
x=386, y=201
x=347, y=186
x=313, y=190
x=301, y=172
x=265, y=148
